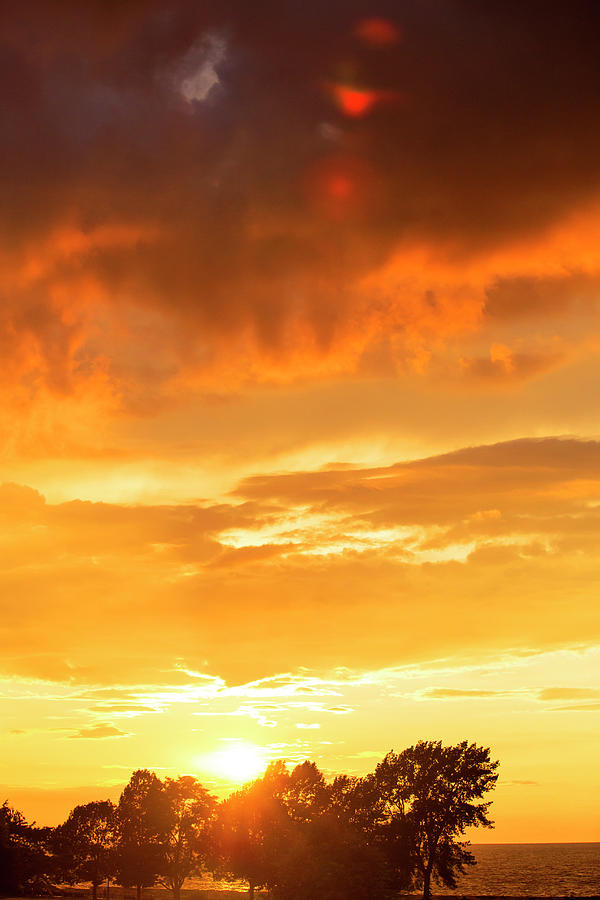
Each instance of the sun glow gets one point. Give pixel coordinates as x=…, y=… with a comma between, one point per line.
x=238, y=762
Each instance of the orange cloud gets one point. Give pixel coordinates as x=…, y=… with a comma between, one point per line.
x=157, y=243
x=204, y=582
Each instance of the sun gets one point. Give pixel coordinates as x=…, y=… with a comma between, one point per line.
x=238, y=761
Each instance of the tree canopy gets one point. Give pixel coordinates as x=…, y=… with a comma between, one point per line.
x=250, y=834
x=143, y=823
x=85, y=844
x=427, y=796
x=25, y=856
x=290, y=831
x=186, y=844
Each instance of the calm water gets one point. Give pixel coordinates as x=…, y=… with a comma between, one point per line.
x=537, y=870
x=534, y=870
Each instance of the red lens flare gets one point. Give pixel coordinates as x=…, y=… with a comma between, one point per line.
x=356, y=103
x=339, y=186
x=342, y=186
x=378, y=32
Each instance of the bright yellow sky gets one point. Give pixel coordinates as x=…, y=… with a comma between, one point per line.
x=298, y=405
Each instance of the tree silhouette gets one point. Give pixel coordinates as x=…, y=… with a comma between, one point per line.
x=303, y=791
x=186, y=846
x=329, y=858
x=357, y=803
x=251, y=831
x=85, y=844
x=428, y=795
x=25, y=859
x=143, y=825
x=291, y=832
x=282, y=833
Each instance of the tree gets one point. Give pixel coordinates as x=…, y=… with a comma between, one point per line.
x=143, y=824
x=25, y=860
x=190, y=809
x=12, y=828
x=354, y=800
x=282, y=833
x=328, y=858
x=85, y=843
x=356, y=803
x=427, y=796
x=251, y=831
x=303, y=791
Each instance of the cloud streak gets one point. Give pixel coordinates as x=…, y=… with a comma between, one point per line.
x=100, y=732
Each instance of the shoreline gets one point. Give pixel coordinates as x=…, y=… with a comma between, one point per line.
x=118, y=893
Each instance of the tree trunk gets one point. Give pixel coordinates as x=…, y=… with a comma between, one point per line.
x=176, y=888
x=94, y=890
x=427, y=883
x=107, y=888
x=138, y=891
x=251, y=890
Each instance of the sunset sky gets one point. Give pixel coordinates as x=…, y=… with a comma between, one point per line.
x=299, y=324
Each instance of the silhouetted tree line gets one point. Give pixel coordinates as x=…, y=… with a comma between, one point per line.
x=290, y=832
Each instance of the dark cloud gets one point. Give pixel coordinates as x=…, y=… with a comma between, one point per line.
x=136, y=218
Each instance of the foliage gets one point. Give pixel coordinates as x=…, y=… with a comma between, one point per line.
x=187, y=840
x=143, y=825
x=24, y=855
x=250, y=831
x=283, y=832
x=85, y=844
x=303, y=791
x=427, y=796
x=329, y=859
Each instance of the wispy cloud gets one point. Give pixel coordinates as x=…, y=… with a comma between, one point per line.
x=99, y=732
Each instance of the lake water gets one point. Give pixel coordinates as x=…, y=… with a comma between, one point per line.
x=505, y=870
x=535, y=870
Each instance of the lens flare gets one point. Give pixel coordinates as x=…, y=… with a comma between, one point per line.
x=354, y=102
x=342, y=186
x=378, y=32
x=357, y=102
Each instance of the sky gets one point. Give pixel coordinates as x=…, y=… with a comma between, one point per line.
x=300, y=455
